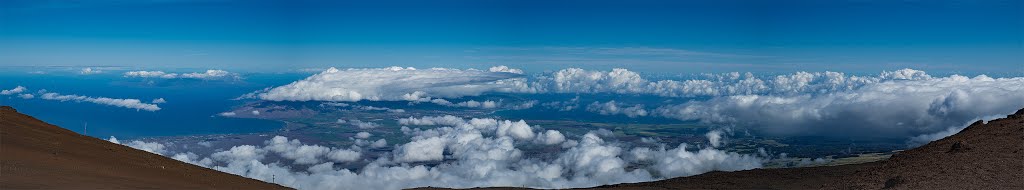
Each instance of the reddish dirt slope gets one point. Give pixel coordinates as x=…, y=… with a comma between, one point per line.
x=982, y=156
x=37, y=155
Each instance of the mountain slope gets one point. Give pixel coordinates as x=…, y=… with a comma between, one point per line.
x=982, y=156
x=37, y=155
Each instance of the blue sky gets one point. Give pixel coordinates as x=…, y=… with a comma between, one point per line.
x=650, y=36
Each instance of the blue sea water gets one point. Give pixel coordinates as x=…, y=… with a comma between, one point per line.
x=190, y=109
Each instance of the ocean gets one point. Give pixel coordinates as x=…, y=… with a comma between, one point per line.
x=191, y=108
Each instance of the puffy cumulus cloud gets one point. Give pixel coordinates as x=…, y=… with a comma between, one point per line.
x=623, y=81
x=519, y=130
x=15, y=90
x=125, y=103
x=550, y=137
x=363, y=135
x=209, y=74
x=295, y=150
x=380, y=143
x=159, y=101
x=715, y=138
x=680, y=162
x=239, y=154
x=429, y=149
x=393, y=83
x=613, y=108
x=152, y=147
x=470, y=153
x=913, y=104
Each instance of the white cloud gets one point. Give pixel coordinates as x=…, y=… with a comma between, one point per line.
x=363, y=124
x=486, y=104
x=159, y=101
x=15, y=90
x=380, y=143
x=372, y=108
x=519, y=130
x=307, y=154
x=715, y=138
x=472, y=154
x=474, y=104
x=410, y=84
x=208, y=74
x=393, y=83
x=227, y=114
x=152, y=147
x=343, y=155
x=613, y=108
x=550, y=137
x=150, y=74
x=429, y=149
x=125, y=103
x=89, y=71
x=363, y=135
x=916, y=104
x=623, y=81
x=506, y=69
x=929, y=137
x=26, y=96
x=680, y=162
x=255, y=112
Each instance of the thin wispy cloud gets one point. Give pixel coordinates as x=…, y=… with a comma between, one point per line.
x=207, y=75
x=125, y=103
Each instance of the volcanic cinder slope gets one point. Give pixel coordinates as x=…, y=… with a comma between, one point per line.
x=982, y=156
x=37, y=155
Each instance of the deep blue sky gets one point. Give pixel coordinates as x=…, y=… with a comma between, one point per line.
x=666, y=36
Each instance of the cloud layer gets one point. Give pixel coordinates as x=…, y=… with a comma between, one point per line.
x=393, y=83
x=917, y=105
x=902, y=103
x=410, y=84
x=471, y=153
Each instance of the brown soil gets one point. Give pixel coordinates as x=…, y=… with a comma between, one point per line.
x=982, y=156
x=37, y=155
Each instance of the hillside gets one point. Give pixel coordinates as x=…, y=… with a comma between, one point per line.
x=37, y=155
x=982, y=156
